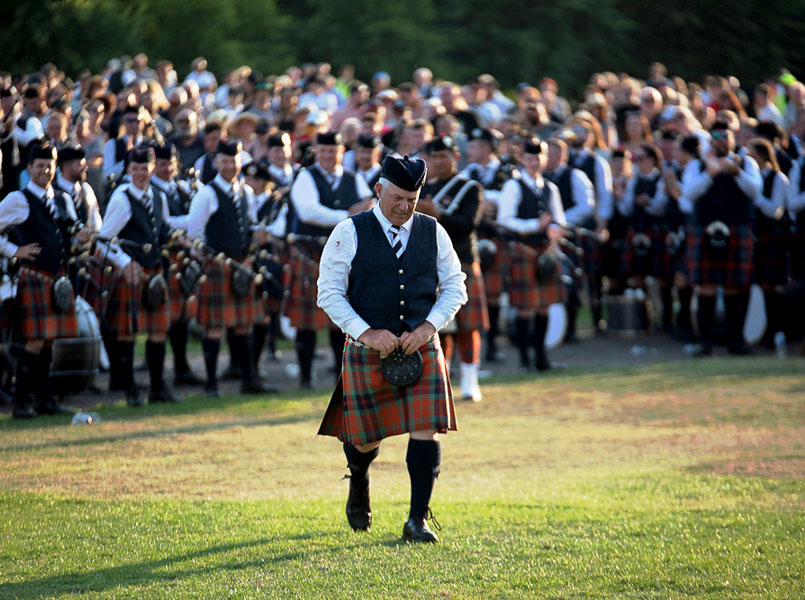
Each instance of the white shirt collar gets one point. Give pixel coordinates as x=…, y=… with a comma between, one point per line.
x=225, y=185
x=161, y=183
x=337, y=172
x=532, y=182
x=138, y=193
x=64, y=183
x=38, y=191
x=385, y=223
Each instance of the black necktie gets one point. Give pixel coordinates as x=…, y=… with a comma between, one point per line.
x=396, y=242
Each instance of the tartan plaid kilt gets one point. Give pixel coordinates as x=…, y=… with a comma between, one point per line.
x=218, y=306
x=496, y=276
x=95, y=282
x=182, y=308
x=35, y=317
x=301, y=291
x=798, y=254
x=126, y=312
x=366, y=408
x=474, y=315
x=732, y=267
x=525, y=292
x=771, y=266
x=658, y=264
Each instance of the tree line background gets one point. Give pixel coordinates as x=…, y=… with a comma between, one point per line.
x=515, y=40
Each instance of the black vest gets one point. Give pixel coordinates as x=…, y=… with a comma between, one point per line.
x=533, y=207
x=565, y=184
x=588, y=166
x=227, y=230
x=387, y=292
x=724, y=201
x=178, y=199
x=143, y=228
x=464, y=242
x=763, y=224
x=339, y=199
x=39, y=228
x=208, y=170
x=80, y=203
x=640, y=219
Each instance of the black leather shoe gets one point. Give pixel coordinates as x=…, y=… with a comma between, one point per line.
x=417, y=530
x=164, y=395
x=133, y=398
x=255, y=386
x=187, y=378
x=359, y=511
x=53, y=407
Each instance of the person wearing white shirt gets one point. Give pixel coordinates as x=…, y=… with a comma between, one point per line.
x=134, y=230
x=530, y=208
x=222, y=217
x=390, y=279
x=72, y=180
x=368, y=150
x=40, y=218
x=115, y=149
x=322, y=195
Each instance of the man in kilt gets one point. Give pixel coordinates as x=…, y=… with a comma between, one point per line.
x=135, y=228
x=720, y=242
x=322, y=195
x=40, y=220
x=457, y=203
x=222, y=218
x=529, y=205
x=182, y=302
x=390, y=279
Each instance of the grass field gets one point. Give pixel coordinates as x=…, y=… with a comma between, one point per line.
x=678, y=480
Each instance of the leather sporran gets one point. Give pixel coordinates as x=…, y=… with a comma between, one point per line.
x=718, y=236
x=401, y=369
x=547, y=267
x=63, y=295
x=155, y=291
x=241, y=282
x=189, y=278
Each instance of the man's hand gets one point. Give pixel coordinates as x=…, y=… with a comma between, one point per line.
x=84, y=235
x=555, y=232
x=381, y=340
x=642, y=199
x=729, y=167
x=545, y=219
x=427, y=207
x=410, y=341
x=28, y=252
x=131, y=272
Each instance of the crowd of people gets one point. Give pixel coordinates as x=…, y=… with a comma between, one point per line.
x=162, y=201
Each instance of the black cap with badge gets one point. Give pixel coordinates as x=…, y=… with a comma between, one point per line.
x=443, y=142
x=232, y=148
x=42, y=150
x=406, y=173
x=257, y=170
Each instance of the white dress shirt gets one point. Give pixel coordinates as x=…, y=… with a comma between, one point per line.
x=336, y=263
x=305, y=197
x=278, y=226
x=94, y=220
x=773, y=207
x=796, y=199
x=510, y=198
x=604, y=205
x=112, y=163
x=118, y=214
x=369, y=173
x=487, y=174
x=205, y=204
x=689, y=172
x=658, y=202
x=583, y=196
x=14, y=209
x=748, y=179
x=168, y=188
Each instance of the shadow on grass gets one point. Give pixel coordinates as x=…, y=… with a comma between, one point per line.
x=149, y=572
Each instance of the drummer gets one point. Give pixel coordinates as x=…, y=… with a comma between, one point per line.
x=137, y=214
x=529, y=206
x=42, y=220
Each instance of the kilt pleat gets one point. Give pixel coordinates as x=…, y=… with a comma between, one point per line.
x=36, y=318
x=474, y=315
x=366, y=408
x=497, y=274
x=301, y=292
x=525, y=292
x=218, y=306
x=731, y=266
x=128, y=314
x=771, y=265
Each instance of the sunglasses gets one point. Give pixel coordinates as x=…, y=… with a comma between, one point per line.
x=719, y=135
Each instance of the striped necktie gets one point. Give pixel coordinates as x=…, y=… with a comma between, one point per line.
x=396, y=242
x=149, y=203
x=50, y=203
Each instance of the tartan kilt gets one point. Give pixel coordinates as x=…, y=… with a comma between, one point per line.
x=525, y=292
x=770, y=258
x=127, y=313
x=474, y=315
x=732, y=267
x=35, y=316
x=302, y=290
x=95, y=282
x=798, y=254
x=218, y=306
x=366, y=408
x=182, y=308
x=497, y=274
x=658, y=264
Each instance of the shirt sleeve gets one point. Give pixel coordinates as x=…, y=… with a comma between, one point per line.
x=626, y=203
x=603, y=189
x=583, y=200
x=557, y=209
x=696, y=183
x=336, y=263
x=748, y=178
x=94, y=220
x=510, y=198
x=773, y=207
x=305, y=198
x=362, y=188
x=13, y=211
x=659, y=202
x=117, y=215
x=202, y=207
x=452, y=290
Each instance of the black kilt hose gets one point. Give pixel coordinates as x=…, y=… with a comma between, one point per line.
x=731, y=266
x=526, y=292
x=35, y=316
x=127, y=312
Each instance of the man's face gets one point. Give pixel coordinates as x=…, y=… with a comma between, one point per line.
x=329, y=157
x=75, y=170
x=533, y=163
x=140, y=174
x=279, y=155
x=257, y=184
x=396, y=204
x=366, y=157
x=442, y=164
x=722, y=142
x=54, y=129
x=33, y=104
x=228, y=166
x=133, y=124
x=42, y=171
x=211, y=140
x=478, y=151
x=165, y=168
x=555, y=158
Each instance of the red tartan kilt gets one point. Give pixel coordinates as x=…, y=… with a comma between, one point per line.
x=301, y=291
x=127, y=313
x=181, y=308
x=35, y=316
x=95, y=282
x=495, y=275
x=659, y=263
x=218, y=306
x=371, y=409
x=474, y=315
x=732, y=267
x=525, y=292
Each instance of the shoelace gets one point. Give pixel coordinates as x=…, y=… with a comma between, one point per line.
x=431, y=517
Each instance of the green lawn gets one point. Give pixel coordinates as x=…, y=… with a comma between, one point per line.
x=680, y=480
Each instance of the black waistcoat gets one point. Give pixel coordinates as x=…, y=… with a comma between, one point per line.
x=640, y=219
x=387, y=292
x=40, y=228
x=227, y=230
x=724, y=201
x=565, y=184
x=533, y=206
x=143, y=228
x=208, y=170
x=80, y=203
x=344, y=196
